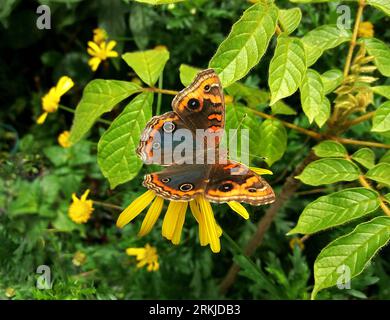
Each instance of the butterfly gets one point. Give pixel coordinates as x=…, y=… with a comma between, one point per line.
x=199, y=107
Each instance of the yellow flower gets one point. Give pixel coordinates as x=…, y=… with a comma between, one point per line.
x=99, y=35
x=209, y=230
x=100, y=52
x=79, y=258
x=63, y=139
x=10, y=292
x=81, y=209
x=147, y=255
x=51, y=100
x=366, y=29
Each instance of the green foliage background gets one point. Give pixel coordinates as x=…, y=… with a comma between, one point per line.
x=38, y=176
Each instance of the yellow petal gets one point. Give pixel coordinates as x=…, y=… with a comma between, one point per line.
x=42, y=118
x=64, y=85
x=210, y=224
x=260, y=171
x=94, y=46
x=170, y=219
x=85, y=195
x=94, y=63
x=135, y=251
x=112, y=54
x=203, y=237
x=239, y=208
x=135, y=208
x=111, y=44
x=179, y=224
x=151, y=216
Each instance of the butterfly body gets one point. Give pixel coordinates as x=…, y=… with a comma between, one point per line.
x=195, y=126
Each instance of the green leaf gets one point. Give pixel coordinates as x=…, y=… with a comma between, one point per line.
x=365, y=156
x=353, y=251
x=246, y=43
x=149, y=64
x=383, y=5
x=381, y=53
x=387, y=197
x=380, y=173
x=331, y=79
x=252, y=96
x=157, y=2
x=382, y=90
x=99, y=97
x=312, y=94
x=187, y=74
x=323, y=112
x=323, y=38
x=329, y=170
x=336, y=209
x=116, y=149
x=330, y=148
x=385, y=158
x=273, y=142
x=237, y=118
x=381, y=120
x=282, y=108
x=287, y=68
x=289, y=19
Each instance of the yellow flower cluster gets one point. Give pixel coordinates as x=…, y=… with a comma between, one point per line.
x=51, y=100
x=366, y=29
x=81, y=209
x=100, y=49
x=145, y=256
x=63, y=139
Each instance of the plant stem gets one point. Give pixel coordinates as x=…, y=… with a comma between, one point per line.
x=361, y=142
x=163, y=91
x=107, y=205
x=360, y=119
x=352, y=45
x=159, y=95
x=363, y=181
x=73, y=111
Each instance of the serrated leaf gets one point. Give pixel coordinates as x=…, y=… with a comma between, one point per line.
x=312, y=94
x=323, y=38
x=365, y=156
x=289, y=19
x=381, y=53
x=287, y=68
x=99, y=97
x=381, y=120
x=329, y=170
x=187, y=74
x=116, y=149
x=281, y=108
x=157, y=2
x=149, y=64
x=383, y=5
x=353, y=251
x=336, y=209
x=246, y=43
x=323, y=112
x=385, y=158
x=380, y=173
x=330, y=148
x=331, y=79
x=273, y=141
x=382, y=90
x=237, y=118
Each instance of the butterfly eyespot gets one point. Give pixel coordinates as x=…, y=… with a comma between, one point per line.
x=226, y=187
x=207, y=88
x=252, y=190
x=165, y=180
x=156, y=145
x=193, y=104
x=169, y=127
x=186, y=187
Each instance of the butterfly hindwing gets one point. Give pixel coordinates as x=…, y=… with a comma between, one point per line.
x=235, y=182
x=178, y=182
